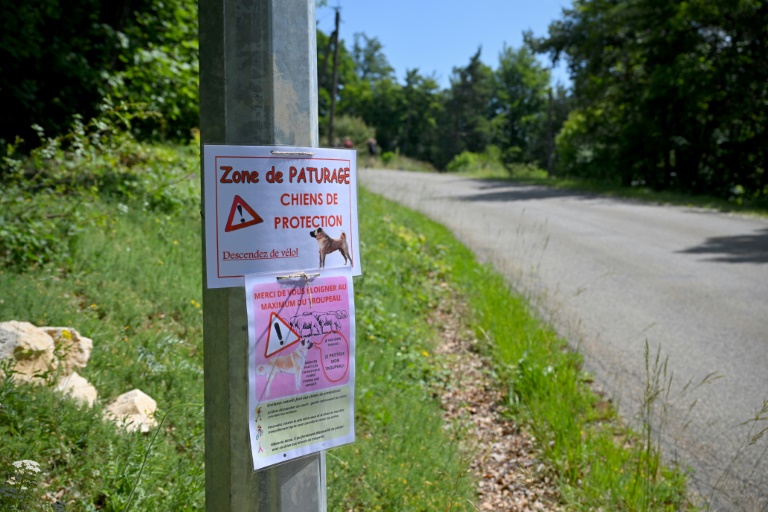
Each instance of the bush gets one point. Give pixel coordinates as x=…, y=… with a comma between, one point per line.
x=50, y=194
x=64, y=58
x=467, y=161
x=354, y=128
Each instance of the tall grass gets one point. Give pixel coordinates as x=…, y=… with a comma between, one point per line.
x=600, y=462
x=403, y=459
x=134, y=288
x=131, y=280
x=595, y=456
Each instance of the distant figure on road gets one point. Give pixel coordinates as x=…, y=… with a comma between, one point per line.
x=348, y=143
x=371, y=151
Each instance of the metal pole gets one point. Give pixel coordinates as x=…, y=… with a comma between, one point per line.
x=258, y=86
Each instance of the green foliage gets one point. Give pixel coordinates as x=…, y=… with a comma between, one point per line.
x=579, y=154
x=390, y=160
x=132, y=284
x=160, y=69
x=62, y=59
x=521, y=105
x=423, y=109
x=595, y=457
x=671, y=95
x=36, y=229
x=468, y=162
x=469, y=107
x=348, y=84
x=50, y=193
x=370, y=62
x=53, y=56
x=402, y=459
x=354, y=128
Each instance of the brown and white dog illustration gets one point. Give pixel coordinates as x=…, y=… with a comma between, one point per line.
x=289, y=363
x=326, y=245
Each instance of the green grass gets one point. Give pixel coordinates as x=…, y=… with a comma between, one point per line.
x=131, y=280
x=134, y=288
x=402, y=459
x=600, y=463
x=389, y=160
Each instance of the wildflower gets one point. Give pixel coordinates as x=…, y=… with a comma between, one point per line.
x=23, y=469
x=26, y=466
x=425, y=353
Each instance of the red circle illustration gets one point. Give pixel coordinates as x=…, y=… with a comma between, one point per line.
x=336, y=361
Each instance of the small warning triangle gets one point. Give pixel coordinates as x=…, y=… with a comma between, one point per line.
x=241, y=216
x=281, y=336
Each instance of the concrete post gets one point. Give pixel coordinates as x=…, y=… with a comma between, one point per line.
x=258, y=86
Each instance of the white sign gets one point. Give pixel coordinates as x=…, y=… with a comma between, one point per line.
x=278, y=209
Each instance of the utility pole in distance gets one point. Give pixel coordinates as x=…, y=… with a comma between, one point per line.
x=550, y=139
x=335, y=77
x=258, y=86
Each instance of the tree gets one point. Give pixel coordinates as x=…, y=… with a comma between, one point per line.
x=370, y=62
x=404, y=116
x=521, y=105
x=52, y=55
x=419, y=135
x=669, y=94
x=160, y=70
x=349, y=93
x=59, y=59
x=469, y=109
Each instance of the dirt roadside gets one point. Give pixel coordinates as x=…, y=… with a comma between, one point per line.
x=503, y=456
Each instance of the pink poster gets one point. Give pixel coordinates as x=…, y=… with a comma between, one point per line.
x=301, y=366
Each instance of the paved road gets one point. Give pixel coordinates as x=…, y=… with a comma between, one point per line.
x=612, y=274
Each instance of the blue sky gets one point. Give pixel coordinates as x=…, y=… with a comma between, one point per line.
x=436, y=36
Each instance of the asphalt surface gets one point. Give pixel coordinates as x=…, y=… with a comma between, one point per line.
x=614, y=276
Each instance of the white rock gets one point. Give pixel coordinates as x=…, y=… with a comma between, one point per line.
x=133, y=411
x=72, y=348
x=30, y=347
x=77, y=388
